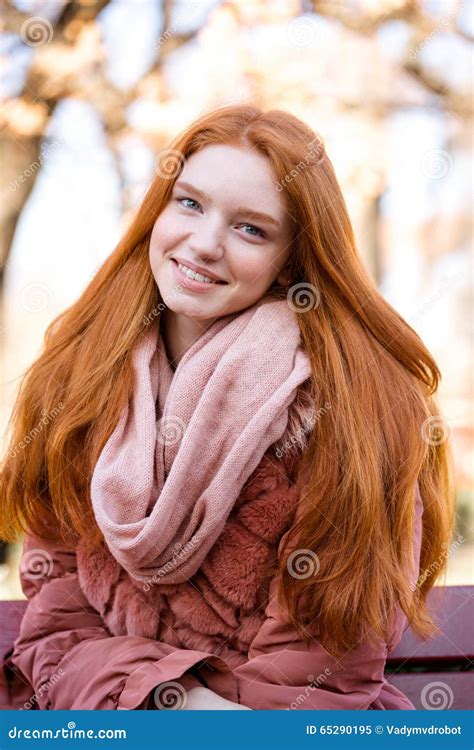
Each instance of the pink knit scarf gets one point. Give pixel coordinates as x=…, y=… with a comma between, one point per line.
x=168, y=476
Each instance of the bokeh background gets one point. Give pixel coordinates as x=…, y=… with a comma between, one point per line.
x=93, y=90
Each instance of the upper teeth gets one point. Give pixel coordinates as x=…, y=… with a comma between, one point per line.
x=194, y=275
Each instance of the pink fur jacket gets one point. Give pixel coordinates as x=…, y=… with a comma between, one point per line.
x=93, y=638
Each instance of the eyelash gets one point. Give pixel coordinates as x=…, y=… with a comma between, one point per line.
x=261, y=232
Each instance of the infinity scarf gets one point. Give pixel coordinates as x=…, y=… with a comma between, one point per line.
x=187, y=441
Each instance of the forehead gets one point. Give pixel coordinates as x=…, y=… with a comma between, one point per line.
x=235, y=173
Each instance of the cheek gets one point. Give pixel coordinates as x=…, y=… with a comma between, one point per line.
x=252, y=266
x=164, y=233
x=159, y=243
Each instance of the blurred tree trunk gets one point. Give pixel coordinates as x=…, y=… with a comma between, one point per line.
x=25, y=119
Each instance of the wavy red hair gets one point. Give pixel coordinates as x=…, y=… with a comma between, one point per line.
x=364, y=456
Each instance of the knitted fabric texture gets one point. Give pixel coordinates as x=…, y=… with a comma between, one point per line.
x=186, y=443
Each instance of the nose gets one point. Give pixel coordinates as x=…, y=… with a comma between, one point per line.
x=206, y=242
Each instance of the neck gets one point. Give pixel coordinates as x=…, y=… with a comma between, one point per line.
x=179, y=332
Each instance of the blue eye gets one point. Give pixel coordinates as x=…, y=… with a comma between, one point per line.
x=261, y=233
x=179, y=200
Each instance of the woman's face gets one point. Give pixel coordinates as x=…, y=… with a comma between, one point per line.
x=226, y=216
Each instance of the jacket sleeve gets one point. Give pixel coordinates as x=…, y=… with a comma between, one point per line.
x=283, y=673
x=72, y=661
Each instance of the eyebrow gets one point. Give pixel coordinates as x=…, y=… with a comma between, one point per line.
x=247, y=211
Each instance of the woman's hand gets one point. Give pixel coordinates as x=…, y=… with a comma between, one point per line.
x=199, y=698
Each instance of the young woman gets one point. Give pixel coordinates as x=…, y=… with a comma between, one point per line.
x=222, y=457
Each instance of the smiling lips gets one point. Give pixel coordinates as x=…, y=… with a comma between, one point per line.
x=193, y=280
x=197, y=271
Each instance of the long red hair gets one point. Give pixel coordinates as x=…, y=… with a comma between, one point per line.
x=365, y=454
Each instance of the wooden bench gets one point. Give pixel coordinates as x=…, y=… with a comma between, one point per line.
x=434, y=674
x=438, y=673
